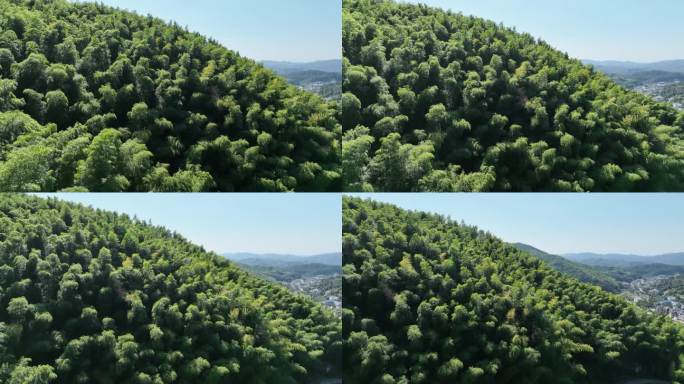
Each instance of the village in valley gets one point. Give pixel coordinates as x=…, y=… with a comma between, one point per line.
x=326, y=289
x=668, y=92
x=661, y=294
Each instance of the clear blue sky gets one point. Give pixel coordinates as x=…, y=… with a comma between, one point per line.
x=290, y=30
x=633, y=30
x=302, y=224
x=645, y=224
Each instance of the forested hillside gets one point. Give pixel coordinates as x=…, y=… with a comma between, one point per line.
x=94, y=98
x=437, y=101
x=428, y=300
x=88, y=296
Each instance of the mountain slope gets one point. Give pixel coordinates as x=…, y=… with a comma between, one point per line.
x=427, y=300
x=645, y=284
x=95, y=98
x=88, y=296
x=576, y=270
x=606, y=273
x=437, y=101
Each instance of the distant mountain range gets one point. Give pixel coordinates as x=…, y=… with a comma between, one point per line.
x=284, y=260
x=617, y=259
x=287, y=67
x=627, y=67
x=322, y=77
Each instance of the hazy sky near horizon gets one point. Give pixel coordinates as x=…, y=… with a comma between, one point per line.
x=293, y=30
x=629, y=30
x=301, y=224
x=643, y=224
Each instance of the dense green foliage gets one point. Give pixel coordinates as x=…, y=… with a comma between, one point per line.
x=428, y=300
x=88, y=296
x=100, y=99
x=579, y=271
x=438, y=101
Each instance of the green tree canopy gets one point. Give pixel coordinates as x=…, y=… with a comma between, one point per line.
x=429, y=300
x=89, y=296
x=490, y=109
x=80, y=68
